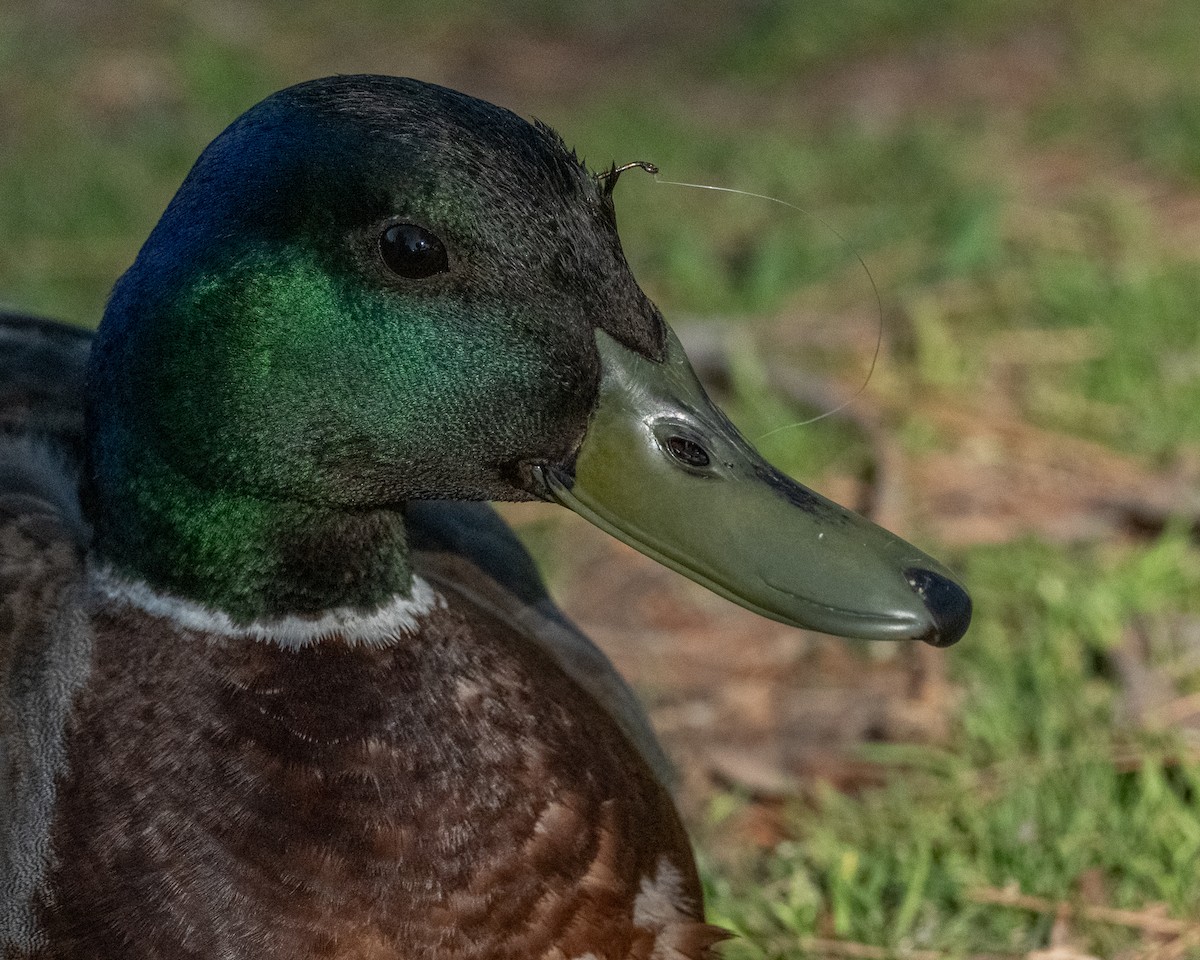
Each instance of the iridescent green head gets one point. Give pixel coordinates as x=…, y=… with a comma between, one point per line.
x=265, y=325
x=371, y=290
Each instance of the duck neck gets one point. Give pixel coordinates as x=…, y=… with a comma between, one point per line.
x=252, y=559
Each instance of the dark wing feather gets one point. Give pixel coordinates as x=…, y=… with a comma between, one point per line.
x=42, y=369
x=475, y=530
x=42, y=531
x=43, y=366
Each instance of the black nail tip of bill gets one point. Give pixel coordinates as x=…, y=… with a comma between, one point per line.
x=949, y=605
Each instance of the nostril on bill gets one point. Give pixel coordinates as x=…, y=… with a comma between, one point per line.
x=948, y=604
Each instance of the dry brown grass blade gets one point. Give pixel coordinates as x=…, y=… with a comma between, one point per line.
x=1150, y=921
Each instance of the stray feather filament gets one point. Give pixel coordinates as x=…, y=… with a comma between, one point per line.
x=857, y=256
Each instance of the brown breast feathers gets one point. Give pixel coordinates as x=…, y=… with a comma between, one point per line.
x=451, y=796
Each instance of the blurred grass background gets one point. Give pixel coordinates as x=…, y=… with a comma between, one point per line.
x=1023, y=182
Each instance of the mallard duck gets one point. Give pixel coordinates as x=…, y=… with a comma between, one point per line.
x=274, y=682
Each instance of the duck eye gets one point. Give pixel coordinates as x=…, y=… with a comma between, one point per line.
x=687, y=452
x=412, y=252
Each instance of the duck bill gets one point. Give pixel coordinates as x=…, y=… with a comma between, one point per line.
x=663, y=469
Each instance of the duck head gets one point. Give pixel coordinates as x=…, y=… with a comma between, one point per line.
x=372, y=290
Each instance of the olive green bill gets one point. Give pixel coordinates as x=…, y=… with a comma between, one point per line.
x=663, y=469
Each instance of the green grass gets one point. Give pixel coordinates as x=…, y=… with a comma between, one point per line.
x=779, y=38
x=1043, y=785
x=1039, y=787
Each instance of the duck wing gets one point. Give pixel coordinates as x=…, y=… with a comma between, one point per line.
x=43, y=365
x=43, y=641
